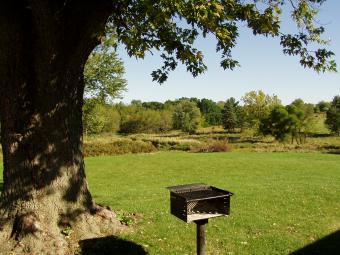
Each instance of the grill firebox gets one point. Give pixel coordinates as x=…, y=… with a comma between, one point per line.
x=193, y=202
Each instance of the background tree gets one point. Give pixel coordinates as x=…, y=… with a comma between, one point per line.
x=220, y=104
x=99, y=117
x=323, y=106
x=210, y=111
x=239, y=111
x=136, y=103
x=186, y=116
x=153, y=105
x=279, y=123
x=146, y=121
x=333, y=116
x=229, y=116
x=104, y=71
x=305, y=123
x=284, y=122
x=47, y=44
x=257, y=106
x=103, y=76
x=295, y=120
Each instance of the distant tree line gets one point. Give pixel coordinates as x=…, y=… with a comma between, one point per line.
x=260, y=112
x=257, y=111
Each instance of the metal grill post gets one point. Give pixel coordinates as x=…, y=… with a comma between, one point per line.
x=200, y=224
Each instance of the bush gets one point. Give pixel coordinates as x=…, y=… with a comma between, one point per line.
x=99, y=118
x=213, y=146
x=122, y=146
x=146, y=121
x=168, y=143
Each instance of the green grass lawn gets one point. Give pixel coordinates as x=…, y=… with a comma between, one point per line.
x=282, y=201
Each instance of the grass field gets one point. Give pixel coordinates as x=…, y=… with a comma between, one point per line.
x=282, y=201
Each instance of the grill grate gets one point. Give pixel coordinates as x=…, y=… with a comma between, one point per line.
x=201, y=194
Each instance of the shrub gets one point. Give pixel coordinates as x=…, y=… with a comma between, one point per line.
x=213, y=146
x=122, y=146
x=169, y=143
x=99, y=118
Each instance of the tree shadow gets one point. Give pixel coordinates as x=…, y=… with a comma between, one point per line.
x=336, y=152
x=327, y=245
x=331, y=147
x=110, y=245
x=319, y=135
x=1, y=187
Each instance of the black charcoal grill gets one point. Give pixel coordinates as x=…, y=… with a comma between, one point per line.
x=197, y=203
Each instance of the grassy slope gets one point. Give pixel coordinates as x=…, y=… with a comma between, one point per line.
x=282, y=201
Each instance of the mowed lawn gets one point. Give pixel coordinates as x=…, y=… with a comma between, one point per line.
x=282, y=201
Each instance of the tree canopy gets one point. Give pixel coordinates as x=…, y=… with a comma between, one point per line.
x=257, y=106
x=186, y=116
x=172, y=27
x=210, y=110
x=103, y=72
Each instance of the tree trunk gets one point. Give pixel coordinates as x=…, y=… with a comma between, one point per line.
x=44, y=47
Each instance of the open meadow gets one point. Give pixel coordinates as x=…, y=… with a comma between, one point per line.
x=282, y=203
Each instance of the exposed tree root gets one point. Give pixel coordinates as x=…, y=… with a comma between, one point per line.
x=30, y=233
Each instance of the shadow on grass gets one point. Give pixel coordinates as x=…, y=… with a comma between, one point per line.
x=336, y=152
x=320, y=135
x=110, y=245
x=328, y=245
x=331, y=147
x=1, y=187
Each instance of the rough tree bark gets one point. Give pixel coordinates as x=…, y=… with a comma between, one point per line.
x=43, y=48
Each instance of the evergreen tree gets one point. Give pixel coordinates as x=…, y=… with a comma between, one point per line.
x=229, y=118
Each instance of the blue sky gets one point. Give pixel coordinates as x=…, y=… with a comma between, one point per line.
x=263, y=67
